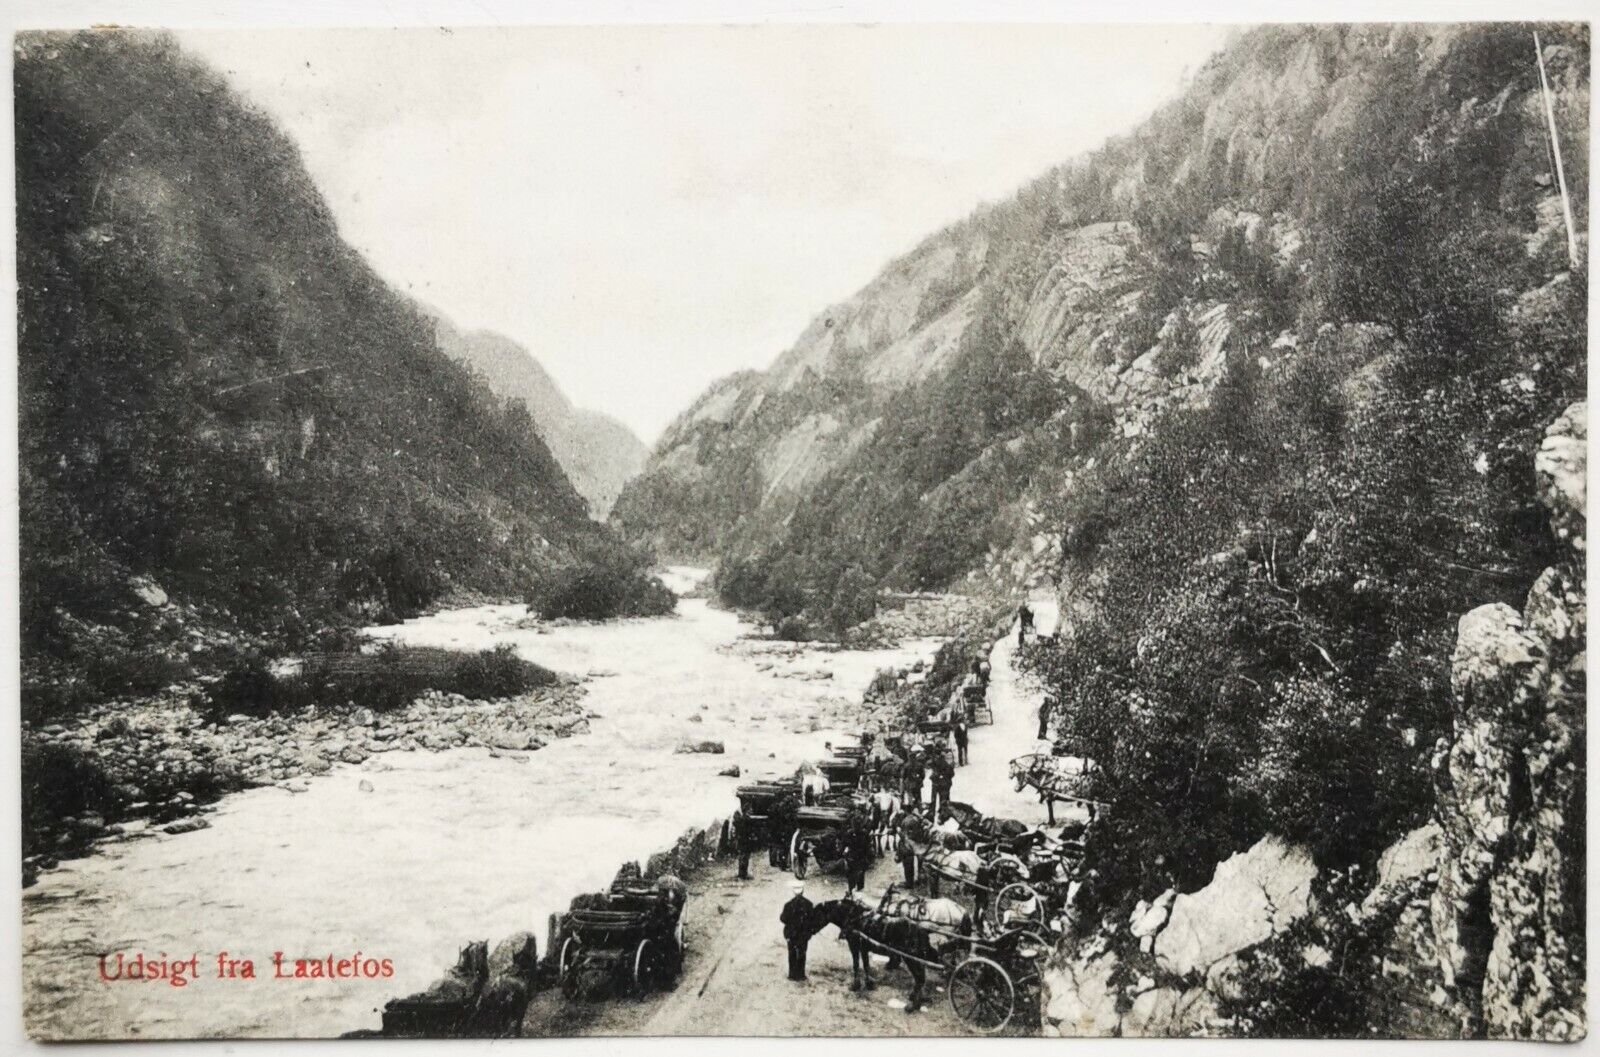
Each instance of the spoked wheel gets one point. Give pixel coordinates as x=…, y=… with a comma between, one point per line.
x=1007, y=869
x=797, y=856
x=568, y=967
x=1017, y=904
x=647, y=968
x=982, y=994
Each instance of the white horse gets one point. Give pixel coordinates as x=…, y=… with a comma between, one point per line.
x=886, y=807
x=813, y=783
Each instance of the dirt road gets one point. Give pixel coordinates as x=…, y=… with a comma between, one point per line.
x=735, y=974
x=734, y=979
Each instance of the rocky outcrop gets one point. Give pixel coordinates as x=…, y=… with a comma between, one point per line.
x=1180, y=954
x=1252, y=896
x=1509, y=901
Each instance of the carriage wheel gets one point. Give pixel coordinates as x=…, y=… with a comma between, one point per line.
x=567, y=966
x=797, y=857
x=1026, y=937
x=646, y=969
x=982, y=994
x=1011, y=900
x=1007, y=869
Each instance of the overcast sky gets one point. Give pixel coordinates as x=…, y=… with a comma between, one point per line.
x=650, y=208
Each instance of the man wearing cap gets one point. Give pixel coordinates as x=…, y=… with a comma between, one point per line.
x=797, y=930
x=913, y=775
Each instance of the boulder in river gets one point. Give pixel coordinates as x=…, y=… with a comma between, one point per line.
x=713, y=747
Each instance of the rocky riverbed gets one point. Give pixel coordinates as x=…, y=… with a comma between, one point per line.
x=165, y=758
x=407, y=853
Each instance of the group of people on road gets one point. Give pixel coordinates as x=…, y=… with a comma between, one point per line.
x=913, y=766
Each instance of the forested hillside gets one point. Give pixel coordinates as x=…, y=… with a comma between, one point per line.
x=1310, y=178
x=598, y=453
x=1259, y=388
x=233, y=434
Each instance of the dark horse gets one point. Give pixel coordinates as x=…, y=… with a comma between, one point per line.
x=903, y=938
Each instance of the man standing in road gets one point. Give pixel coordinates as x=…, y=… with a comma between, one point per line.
x=944, y=773
x=959, y=721
x=913, y=775
x=907, y=854
x=1024, y=624
x=742, y=839
x=797, y=931
x=1047, y=708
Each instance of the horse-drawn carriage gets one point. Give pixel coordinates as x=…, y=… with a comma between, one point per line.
x=977, y=866
x=769, y=810
x=631, y=935
x=975, y=698
x=820, y=834
x=1056, y=778
x=843, y=772
x=991, y=980
x=999, y=981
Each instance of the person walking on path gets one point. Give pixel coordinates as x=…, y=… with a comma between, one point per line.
x=1024, y=624
x=1047, y=708
x=797, y=931
x=960, y=732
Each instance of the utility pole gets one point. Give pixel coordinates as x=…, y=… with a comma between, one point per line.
x=1555, y=144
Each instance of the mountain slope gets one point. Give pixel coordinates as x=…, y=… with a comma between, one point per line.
x=911, y=419
x=232, y=433
x=1268, y=391
x=598, y=453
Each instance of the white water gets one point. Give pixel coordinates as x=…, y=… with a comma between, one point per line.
x=448, y=847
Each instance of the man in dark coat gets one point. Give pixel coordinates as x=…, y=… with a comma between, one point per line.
x=907, y=856
x=960, y=731
x=912, y=775
x=743, y=838
x=797, y=930
x=858, y=854
x=1024, y=623
x=944, y=773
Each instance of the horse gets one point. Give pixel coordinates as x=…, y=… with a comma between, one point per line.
x=814, y=784
x=886, y=807
x=907, y=928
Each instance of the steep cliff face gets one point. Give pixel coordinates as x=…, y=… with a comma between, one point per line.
x=598, y=454
x=1117, y=287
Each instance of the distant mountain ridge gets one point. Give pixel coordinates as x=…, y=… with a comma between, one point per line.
x=599, y=454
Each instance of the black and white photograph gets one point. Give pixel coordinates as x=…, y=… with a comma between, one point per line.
x=850, y=528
